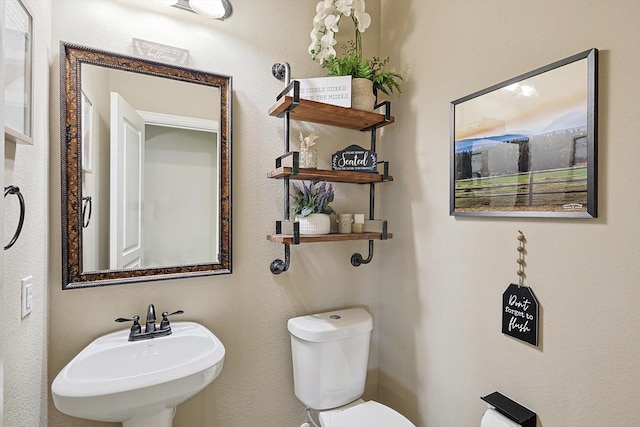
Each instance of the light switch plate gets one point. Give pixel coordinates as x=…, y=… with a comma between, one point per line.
x=27, y=295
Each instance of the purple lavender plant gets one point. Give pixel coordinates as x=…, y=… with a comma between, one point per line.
x=312, y=198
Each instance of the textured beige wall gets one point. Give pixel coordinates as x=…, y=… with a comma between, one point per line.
x=25, y=358
x=248, y=310
x=441, y=345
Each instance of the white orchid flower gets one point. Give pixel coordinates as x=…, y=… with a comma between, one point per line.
x=331, y=23
x=326, y=47
x=327, y=41
x=325, y=25
x=314, y=35
x=344, y=6
x=364, y=20
x=328, y=7
x=358, y=5
x=322, y=12
x=313, y=49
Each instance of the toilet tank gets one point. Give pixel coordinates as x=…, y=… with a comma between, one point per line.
x=330, y=354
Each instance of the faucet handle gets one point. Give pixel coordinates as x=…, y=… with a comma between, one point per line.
x=135, y=328
x=165, y=322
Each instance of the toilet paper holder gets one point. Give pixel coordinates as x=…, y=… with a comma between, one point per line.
x=512, y=410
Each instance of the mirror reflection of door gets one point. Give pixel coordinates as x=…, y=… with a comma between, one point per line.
x=175, y=220
x=126, y=230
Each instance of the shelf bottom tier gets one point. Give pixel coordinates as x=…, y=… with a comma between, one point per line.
x=287, y=239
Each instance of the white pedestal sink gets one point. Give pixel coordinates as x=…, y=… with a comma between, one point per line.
x=138, y=383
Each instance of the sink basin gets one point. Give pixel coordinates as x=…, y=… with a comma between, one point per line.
x=138, y=383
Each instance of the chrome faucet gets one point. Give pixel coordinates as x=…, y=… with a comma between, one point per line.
x=150, y=329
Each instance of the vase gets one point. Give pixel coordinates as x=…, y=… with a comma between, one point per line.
x=315, y=223
x=345, y=222
x=362, y=97
x=308, y=158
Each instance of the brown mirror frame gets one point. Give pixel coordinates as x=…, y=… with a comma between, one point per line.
x=71, y=58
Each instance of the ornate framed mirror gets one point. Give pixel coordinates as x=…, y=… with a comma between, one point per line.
x=146, y=169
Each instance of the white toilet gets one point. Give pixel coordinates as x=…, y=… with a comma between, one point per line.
x=330, y=355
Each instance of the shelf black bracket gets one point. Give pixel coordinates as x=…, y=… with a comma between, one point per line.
x=357, y=260
x=295, y=162
x=386, y=119
x=279, y=266
x=295, y=87
x=385, y=170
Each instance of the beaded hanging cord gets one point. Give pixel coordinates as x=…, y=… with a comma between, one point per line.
x=521, y=263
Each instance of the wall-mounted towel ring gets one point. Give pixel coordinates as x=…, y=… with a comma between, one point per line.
x=12, y=189
x=86, y=203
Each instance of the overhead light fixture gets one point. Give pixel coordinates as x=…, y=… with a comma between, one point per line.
x=216, y=9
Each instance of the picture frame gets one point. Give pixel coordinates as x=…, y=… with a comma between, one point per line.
x=86, y=124
x=18, y=58
x=528, y=146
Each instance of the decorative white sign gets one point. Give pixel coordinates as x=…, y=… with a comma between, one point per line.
x=330, y=90
x=160, y=52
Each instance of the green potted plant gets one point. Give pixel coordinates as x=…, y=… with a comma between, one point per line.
x=310, y=205
x=369, y=75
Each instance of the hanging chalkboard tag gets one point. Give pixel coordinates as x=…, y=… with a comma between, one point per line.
x=355, y=158
x=520, y=313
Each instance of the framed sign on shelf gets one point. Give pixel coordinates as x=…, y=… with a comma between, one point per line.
x=527, y=146
x=18, y=46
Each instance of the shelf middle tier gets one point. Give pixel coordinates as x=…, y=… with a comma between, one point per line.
x=328, y=175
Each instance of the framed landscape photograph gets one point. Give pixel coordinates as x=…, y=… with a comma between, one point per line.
x=527, y=146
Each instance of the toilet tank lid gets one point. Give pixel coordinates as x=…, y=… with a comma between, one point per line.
x=331, y=325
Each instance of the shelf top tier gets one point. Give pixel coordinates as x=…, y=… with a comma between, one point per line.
x=327, y=114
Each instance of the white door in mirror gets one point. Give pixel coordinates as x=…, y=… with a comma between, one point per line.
x=127, y=185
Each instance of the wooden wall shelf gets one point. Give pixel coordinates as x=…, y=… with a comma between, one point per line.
x=326, y=114
x=293, y=108
x=287, y=239
x=328, y=175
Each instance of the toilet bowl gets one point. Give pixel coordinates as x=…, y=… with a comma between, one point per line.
x=363, y=414
x=330, y=353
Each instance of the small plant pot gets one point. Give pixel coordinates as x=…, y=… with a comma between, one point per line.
x=362, y=97
x=315, y=223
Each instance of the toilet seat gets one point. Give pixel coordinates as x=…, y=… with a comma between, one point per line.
x=367, y=414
